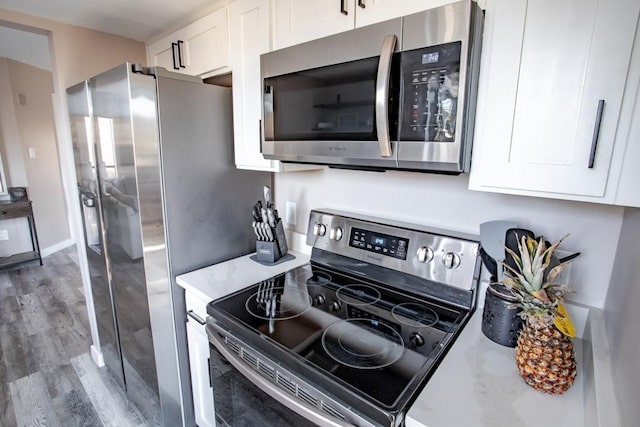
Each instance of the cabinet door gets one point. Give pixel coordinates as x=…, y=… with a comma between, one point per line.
x=198, y=344
x=372, y=11
x=298, y=21
x=206, y=43
x=249, y=38
x=199, y=366
x=161, y=53
x=546, y=66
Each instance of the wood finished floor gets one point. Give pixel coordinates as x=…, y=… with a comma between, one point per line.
x=47, y=377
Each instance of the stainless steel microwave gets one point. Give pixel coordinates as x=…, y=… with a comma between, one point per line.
x=395, y=95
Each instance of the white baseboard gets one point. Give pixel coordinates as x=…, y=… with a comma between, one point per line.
x=56, y=248
x=97, y=357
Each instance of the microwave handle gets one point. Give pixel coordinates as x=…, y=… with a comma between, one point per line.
x=382, y=94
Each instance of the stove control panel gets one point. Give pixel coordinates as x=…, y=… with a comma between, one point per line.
x=442, y=256
x=383, y=244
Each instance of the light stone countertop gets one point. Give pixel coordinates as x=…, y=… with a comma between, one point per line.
x=222, y=279
x=477, y=384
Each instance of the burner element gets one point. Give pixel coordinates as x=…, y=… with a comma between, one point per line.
x=278, y=303
x=415, y=315
x=362, y=343
x=358, y=294
x=312, y=278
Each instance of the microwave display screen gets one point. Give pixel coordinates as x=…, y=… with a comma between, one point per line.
x=430, y=58
x=431, y=85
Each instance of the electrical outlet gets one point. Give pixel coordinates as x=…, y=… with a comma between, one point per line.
x=4, y=234
x=290, y=213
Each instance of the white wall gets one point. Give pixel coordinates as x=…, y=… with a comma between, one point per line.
x=444, y=201
x=622, y=316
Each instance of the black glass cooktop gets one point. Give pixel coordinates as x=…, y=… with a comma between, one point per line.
x=369, y=338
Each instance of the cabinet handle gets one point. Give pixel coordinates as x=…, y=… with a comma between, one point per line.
x=180, y=43
x=174, y=46
x=209, y=366
x=382, y=94
x=596, y=134
x=260, y=134
x=343, y=7
x=195, y=317
x=361, y=4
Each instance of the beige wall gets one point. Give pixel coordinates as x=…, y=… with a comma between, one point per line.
x=622, y=317
x=36, y=130
x=9, y=134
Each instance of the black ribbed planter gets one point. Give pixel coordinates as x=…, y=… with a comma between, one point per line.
x=500, y=323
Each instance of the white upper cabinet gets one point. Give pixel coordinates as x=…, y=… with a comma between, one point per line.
x=199, y=48
x=298, y=21
x=249, y=37
x=372, y=11
x=552, y=80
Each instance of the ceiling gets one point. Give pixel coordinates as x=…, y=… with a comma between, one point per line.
x=135, y=19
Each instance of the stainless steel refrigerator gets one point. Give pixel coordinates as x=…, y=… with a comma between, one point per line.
x=160, y=196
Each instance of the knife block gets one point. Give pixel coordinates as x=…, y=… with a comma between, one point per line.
x=270, y=252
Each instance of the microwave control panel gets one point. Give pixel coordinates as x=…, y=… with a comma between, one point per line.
x=431, y=84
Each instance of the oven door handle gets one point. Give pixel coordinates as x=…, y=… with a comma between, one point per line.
x=271, y=389
x=382, y=94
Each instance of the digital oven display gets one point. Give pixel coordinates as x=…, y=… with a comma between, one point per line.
x=383, y=244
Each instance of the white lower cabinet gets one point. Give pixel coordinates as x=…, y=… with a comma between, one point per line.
x=199, y=361
x=553, y=76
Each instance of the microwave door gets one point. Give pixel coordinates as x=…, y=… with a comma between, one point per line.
x=330, y=114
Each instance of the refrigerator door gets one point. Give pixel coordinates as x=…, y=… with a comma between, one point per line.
x=118, y=105
x=80, y=115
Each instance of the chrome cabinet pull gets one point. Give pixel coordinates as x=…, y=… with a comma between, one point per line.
x=382, y=94
x=195, y=317
x=343, y=7
x=596, y=134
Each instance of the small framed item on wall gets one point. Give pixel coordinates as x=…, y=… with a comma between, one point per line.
x=18, y=194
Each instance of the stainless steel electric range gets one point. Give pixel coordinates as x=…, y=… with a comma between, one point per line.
x=349, y=338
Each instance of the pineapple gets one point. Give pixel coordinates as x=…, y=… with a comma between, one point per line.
x=544, y=354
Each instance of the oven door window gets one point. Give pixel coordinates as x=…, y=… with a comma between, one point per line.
x=332, y=103
x=239, y=403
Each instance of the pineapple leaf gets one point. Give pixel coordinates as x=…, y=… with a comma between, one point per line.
x=555, y=272
x=526, y=259
x=541, y=294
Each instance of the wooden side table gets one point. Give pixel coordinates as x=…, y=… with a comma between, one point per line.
x=11, y=210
